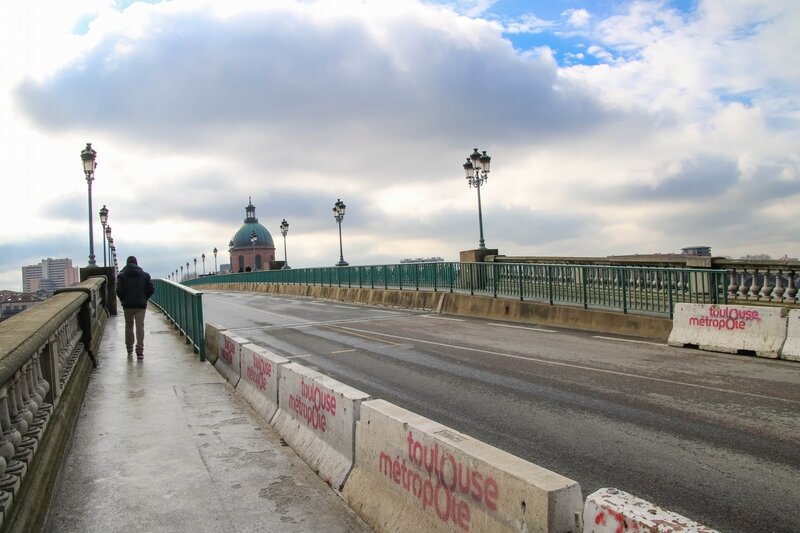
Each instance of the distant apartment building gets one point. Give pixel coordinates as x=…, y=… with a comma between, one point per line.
x=12, y=303
x=49, y=275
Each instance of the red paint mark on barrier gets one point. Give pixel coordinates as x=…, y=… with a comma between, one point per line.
x=312, y=404
x=260, y=372
x=601, y=520
x=228, y=349
x=727, y=318
x=449, y=484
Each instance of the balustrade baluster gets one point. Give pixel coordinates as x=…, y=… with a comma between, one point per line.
x=754, y=287
x=21, y=418
x=35, y=401
x=732, y=287
x=791, y=288
x=743, y=290
x=779, y=290
x=28, y=397
x=10, y=440
x=42, y=384
x=766, y=289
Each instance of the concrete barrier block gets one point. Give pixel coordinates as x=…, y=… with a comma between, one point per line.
x=316, y=416
x=259, y=382
x=211, y=335
x=730, y=328
x=414, y=474
x=791, y=348
x=229, y=356
x=613, y=511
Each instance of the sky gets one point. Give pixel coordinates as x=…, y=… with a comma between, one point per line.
x=614, y=126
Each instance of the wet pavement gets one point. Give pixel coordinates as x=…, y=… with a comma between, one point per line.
x=164, y=444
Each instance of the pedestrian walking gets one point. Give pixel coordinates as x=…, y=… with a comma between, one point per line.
x=134, y=288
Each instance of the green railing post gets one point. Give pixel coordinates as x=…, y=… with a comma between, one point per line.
x=624, y=287
x=184, y=308
x=584, y=275
x=671, y=303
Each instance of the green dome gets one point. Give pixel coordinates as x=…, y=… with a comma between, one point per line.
x=242, y=237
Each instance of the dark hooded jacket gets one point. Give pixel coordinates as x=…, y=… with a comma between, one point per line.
x=134, y=287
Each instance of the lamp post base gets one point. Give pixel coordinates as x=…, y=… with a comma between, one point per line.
x=342, y=263
x=285, y=267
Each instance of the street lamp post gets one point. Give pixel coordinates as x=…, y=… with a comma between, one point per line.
x=253, y=241
x=103, y=222
x=203, y=257
x=112, y=250
x=284, y=231
x=338, y=214
x=476, y=170
x=195, y=267
x=230, y=251
x=89, y=156
x=215, y=259
x=182, y=271
x=187, y=270
x=110, y=241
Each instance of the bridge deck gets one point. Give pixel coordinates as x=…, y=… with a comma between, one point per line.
x=163, y=444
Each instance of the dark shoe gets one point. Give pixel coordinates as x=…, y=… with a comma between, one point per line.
x=139, y=356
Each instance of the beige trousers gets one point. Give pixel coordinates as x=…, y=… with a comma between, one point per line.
x=134, y=317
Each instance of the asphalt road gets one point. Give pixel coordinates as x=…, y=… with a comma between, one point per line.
x=714, y=437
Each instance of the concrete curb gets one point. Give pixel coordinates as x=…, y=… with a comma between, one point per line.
x=526, y=312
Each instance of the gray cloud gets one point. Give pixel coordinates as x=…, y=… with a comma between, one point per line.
x=700, y=178
x=193, y=78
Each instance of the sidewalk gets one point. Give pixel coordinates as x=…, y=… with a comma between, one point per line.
x=163, y=444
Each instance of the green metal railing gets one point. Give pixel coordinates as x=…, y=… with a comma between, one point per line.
x=184, y=307
x=646, y=290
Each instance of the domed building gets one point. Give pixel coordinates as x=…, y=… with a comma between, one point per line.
x=252, y=247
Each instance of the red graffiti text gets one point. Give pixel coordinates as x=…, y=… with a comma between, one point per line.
x=260, y=372
x=727, y=318
x=228, y=349
x=449, y=486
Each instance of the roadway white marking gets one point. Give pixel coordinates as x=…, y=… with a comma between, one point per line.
x=251, y=309
x=627, y=340
x=346, y=307
x=579, y=367
x=345, y=351
x=300, y=356
x=523, y=327
x=443, y=318
x=334, y=328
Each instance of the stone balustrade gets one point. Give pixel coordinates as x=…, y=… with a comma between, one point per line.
x=46, y=354
x=766, y=282
x=773, y=282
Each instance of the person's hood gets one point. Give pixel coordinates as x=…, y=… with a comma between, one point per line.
x=133, y=270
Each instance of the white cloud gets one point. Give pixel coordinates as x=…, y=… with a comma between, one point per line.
x=578, y=18
x=194, y=106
